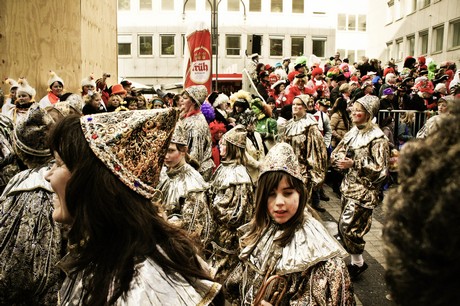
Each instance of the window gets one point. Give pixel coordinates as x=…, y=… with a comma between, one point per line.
x=390, y=12
x=124, y=5
x=389, y=50
x=297, y=46
x=342, y=22
x=362, y=23
x=438, y=39
x=233, y=44
x=298, y=6
x=424, y=3
x=399, y=49
x=351, y=23
x=167, y=44
x=276, y=47
x=351, y=56
x=361, y=53
x=454, y=34
x=190, y=5
x=184, y=43
x=255, y=5
x=397, y=9
x=277, y=6
x=423, y=39
x=167, y=5
x=124, y=44
x=412, y=6
x=233, y=5
x=410, y=41
x=342, y=52
x=145, y=4
x=319, y=47
x=145, y=45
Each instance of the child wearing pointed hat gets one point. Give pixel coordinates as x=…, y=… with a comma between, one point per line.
x=184, y=191
x=287, y=257
x=362, y=155
x=117, y=235
x=232, y=203
x=25, y=97
x=55, y=90
x=88, y=84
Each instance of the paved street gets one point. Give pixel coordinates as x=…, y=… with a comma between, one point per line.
x=370, y=288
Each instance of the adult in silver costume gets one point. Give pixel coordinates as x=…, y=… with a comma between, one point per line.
x=363, y=156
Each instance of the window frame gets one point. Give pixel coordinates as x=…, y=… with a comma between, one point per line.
x=125, y=39
x=435, y=38
x=294, y=8
x=227, y=48
x=145, y=9
x=452, y=37
x=173, y=45
x=144, y=35
x=319, y=39
x=272, y=2
x=126, y=8
x=272, y=39
x=303, y=45
x=422, y=34
x=252, y=3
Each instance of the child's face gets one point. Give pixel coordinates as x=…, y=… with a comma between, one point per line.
x=283, y=202
x=223, y=148
x=132, y=105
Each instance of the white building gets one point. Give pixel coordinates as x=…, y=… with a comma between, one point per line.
x=151, y=34
x=414, y=28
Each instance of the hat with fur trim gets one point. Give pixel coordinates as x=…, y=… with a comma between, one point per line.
x=277, y=83
x=54, y=78
x=132, y=144
x=316, y=71
x=23, y=86
x=88, y=81
x=236, y=136
x=198, y=93
x=221, y=99
x=281, y=157
x=370, y=103
x=31, y=134
x=11, y=82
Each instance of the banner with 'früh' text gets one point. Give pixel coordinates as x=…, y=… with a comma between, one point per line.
x=198, y=70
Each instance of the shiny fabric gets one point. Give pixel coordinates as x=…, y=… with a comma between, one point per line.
x=370, y=153
x=255, y=155
x=200, y=143
x=30, y=241
x=308, y=144
x=269, y=127
x=429, y=127
x=355, y=222
x=311, y=265
x=185, y=201
x=8, y=163
x=150, y=286
x=232, y=205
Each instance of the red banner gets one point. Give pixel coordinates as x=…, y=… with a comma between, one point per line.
x=199, y=63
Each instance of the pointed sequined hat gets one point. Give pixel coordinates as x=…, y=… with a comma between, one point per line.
x=132, y=144
x=180, y=134
x=370, y=103
x=236, y=136
x=281, y=157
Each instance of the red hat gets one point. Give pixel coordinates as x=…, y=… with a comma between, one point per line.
x=388, y=70
x=316, y=71
x=365, y=78
x=267, y=66
x=118, y=89
x=424, y=85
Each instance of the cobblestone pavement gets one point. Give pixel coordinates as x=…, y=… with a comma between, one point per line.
x=370, y=288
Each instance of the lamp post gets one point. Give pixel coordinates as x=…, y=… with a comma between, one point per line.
x=215, y=37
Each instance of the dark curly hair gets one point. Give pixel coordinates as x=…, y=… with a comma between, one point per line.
x=422, y=235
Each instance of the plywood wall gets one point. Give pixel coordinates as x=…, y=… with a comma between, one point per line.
x=71, y=37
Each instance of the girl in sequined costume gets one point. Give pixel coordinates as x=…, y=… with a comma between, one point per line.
x=363, y=156
x=287, y=257
x=232, y=202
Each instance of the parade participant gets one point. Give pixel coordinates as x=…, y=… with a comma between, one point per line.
x=56, y=88
x=433, y=122
x=184, y=198
x=9, y=164
x=278, y=93
x=302, y=133
x=9, y=102
x=232, y=202
x=318, y=85
x=88, y=84
x=266, y=126
x=240, y=101
x=217, y=131
x=255, y=152
x=252, y=66
x=121, y=251
x=363, y=156
x=421, y=229
x=297, y=88
x=25, y=98
x=288, y=257
x=198, y=134
x=32, y=242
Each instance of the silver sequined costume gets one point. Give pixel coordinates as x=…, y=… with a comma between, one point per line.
x=311, y=264
x=360, y=187
x=200, y=143
x=185, y=201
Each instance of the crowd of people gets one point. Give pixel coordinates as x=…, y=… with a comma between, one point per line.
x=203, y=198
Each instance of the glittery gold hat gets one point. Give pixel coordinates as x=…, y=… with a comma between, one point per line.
x=132, y=144
x=281, y=157
x=370, y=103
x=180, y=134
x=236, y=136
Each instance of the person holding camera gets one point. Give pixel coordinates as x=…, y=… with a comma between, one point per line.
x=362, y=155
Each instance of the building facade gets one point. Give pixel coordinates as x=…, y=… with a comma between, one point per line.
x=151, y=34
x=402, y=28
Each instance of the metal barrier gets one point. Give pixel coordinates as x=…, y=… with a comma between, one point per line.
x=420, y=119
